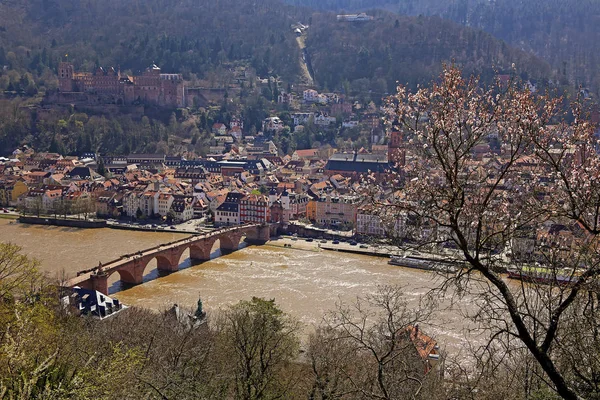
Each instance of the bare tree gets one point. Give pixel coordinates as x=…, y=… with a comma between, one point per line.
x=501, y=176
x=370, y=349
x=19, y=274
x=260, y=343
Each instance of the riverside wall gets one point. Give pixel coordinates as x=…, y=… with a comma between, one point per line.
x=71, y=223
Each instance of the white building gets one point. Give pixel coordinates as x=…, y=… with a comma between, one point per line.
x=163, y=203
x=310, y=95
x=354, y=17
x=147, y=200
x=302, y=118
x=272, y=124
x=324, y=120
x=228, y=213
x=131, y=203
x=371, y=224
x=183, y=208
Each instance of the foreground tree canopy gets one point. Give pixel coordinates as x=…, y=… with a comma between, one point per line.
x=529, y=201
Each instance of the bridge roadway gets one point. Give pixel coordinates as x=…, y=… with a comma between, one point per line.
x=131, y=267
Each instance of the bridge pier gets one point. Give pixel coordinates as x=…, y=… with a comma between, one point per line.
x=229, y=247
x=99, y=282
x=199, y=254
x=168, y=263
x=259, y=236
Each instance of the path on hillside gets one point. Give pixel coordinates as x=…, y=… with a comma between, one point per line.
x=304, y=63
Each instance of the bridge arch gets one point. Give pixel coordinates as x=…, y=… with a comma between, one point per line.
x=200, y=251
x=125, y=275
x=183, y=257
x=229, y=242
x=214, y=246
x=152, y=270
x=118, y=278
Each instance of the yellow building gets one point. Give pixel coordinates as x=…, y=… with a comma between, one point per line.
x=10, y=192
x=19, y=189
x=337, y=210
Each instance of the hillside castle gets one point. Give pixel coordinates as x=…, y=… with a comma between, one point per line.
x=152, y=87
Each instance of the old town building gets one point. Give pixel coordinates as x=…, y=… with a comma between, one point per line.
x=255, y=208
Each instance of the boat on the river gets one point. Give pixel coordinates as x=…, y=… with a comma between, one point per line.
x=539, y=274
x=424, y=264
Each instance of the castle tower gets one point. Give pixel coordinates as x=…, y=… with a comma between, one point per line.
x=396, y=150
x=65, y=77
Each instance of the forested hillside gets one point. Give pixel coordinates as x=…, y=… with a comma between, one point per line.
x=196, y=37
x=180, y=36
x=564, y=33
x=375, y=55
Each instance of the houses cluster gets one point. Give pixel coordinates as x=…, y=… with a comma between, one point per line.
x=317, y=185
x=532, y=240
x=258, y=185
x=327, y=111
x=310, y=96
x=299, y=109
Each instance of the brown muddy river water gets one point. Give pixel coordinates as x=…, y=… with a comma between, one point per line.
x=304, y=283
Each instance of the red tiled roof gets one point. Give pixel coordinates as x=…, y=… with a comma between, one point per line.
x=307, y=153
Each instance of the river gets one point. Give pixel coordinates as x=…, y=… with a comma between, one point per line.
x=306, y=284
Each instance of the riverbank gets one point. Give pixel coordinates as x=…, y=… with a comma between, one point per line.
x=288, y=243
x=150, y=229
x=63, y=251
x=101, y=223
x=318, y=245
x=66, y=222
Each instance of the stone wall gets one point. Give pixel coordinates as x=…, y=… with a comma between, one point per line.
x=73, y=223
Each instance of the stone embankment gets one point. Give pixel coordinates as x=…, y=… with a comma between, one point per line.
x=68, y=222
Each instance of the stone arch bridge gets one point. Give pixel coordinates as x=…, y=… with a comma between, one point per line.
x=130, y=267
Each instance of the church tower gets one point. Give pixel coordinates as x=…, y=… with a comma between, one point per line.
x=396, y=150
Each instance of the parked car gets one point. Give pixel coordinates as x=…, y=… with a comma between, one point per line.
x=336, y=242
x=309, y=239
x=323, y=241
x=172, y=227
x=353, y=243
x=364, y=246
